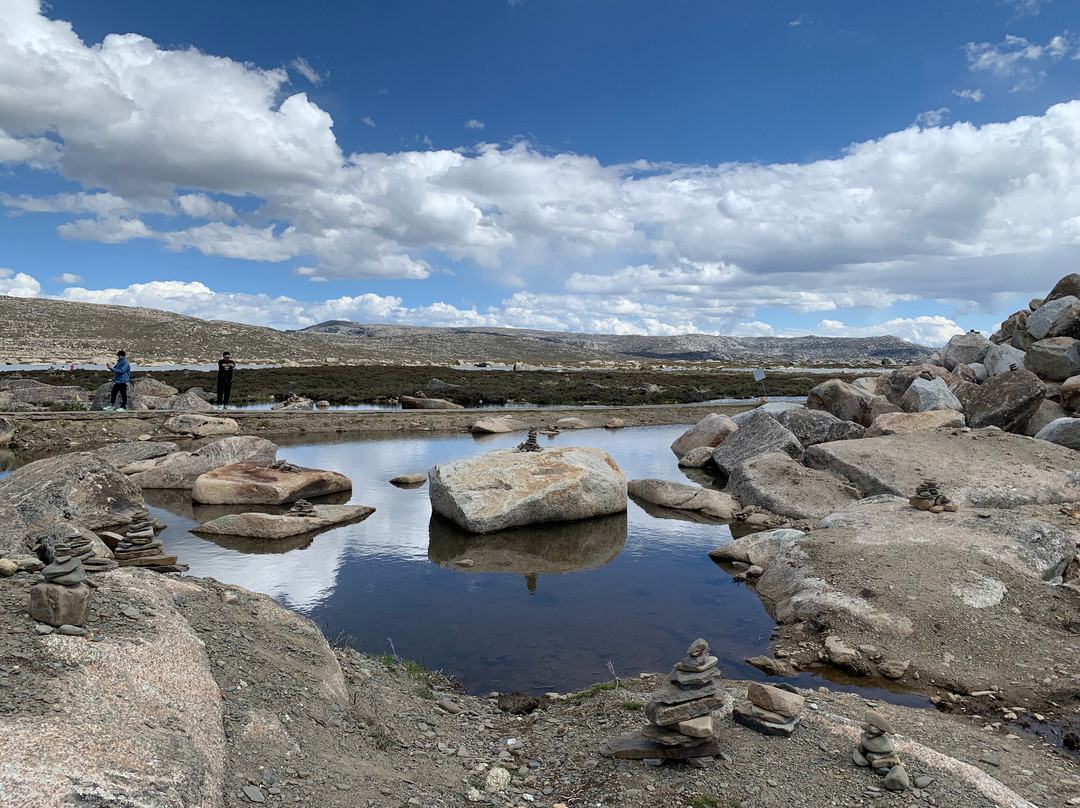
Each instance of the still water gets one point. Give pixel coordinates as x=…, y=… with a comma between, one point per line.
x=540, y=609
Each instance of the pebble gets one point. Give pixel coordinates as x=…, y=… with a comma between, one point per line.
x=41, y=628
x=254, y=794
x=73, y=631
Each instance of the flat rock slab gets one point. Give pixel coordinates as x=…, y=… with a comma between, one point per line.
x=182, y=469
x=982, y=468
x=685, y=497
x=635, y=746
x=778, y=484
x=508, y=488
x=282, y=526
x=133, y=451
x=262, y=484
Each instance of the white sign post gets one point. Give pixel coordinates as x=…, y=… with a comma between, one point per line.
x=759, y=376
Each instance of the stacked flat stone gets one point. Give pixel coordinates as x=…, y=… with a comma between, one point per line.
x=530, y=444
x=76, y=545
x=771, y=710
x=929, y=497
x=61, y=596
x=684, y=715
x=140, y=548
x=285, y=466
x=876, y=751
x=302, y=508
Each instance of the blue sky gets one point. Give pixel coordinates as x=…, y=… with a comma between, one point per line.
x=745, y=168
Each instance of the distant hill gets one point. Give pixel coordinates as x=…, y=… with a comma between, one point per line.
x=55, y=331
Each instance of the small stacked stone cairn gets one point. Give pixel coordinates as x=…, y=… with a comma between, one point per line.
x=140, y=548
x=876, y=751
x=530, y=444
x=77, y=545
x=61, y=596
x=929, y=497
x=285, y=466
x=772, y=710
x=683, y=715
x=302, y=508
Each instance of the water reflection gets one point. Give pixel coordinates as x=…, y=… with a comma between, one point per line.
x=530, y=551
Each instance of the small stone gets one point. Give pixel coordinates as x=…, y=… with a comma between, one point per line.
x=897, y=779
x=923, y=781
x=8, y=567
x=990, y=759
x=41, y=628
x=858, y=758
x=254, y=793
x=876, y=719
x=878, y=744
x=73, y=631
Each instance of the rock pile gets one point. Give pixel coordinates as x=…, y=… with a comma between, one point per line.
x=61, y=596
x=140, y=547
x=77, y=545
x=876, y=751
x=772, y=710
x=285, y=466
x=683, y=715
x=530, y=444
x=302, y=508
x=928, y=497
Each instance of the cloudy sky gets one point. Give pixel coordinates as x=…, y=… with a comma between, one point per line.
x=616, y=166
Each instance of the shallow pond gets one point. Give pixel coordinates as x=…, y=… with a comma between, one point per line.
x=542, y=609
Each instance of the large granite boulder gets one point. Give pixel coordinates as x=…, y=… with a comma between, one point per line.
x=265, y=484
x=1067, y=323
x=818, y=426
x=772, y=408
x=1000, y=359
x=508, y=488
x=497, y=425
x=1054, y=358
x=964, y=349
x=79, y=488
x=201, y=426
x=846, y=401
x=415, y=403
x=144, y=392
x=684, y=497
x=1063, y=432
x=184, y=402
x=182, y=469
x=254, y=525
x=1013, y=326
x=897, y=423
x=778, y=484
x=757, y=548
x=982, y=468
x=710, y=431
x=1041, y=322
x=7, y=431
x=1069, y=285
x=924, y=395
x=125, y=453
x=758, y=435
x=44, y=396
x=1048, y=411
x=1007, y=401
x=1070, y=393
x=901, y=378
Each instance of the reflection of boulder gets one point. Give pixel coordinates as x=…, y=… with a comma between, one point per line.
x=536, y=550
x=284, y=525
x=178, y=501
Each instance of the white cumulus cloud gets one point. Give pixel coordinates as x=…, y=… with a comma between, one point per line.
x=472, y=123
x=18, y=284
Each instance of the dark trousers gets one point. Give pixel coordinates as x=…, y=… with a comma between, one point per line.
x=120, y=388
x=224, y=388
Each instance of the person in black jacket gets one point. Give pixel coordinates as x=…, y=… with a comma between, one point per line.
x=225, y=367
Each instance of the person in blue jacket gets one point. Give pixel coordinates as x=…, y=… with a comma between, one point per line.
x=121, y=372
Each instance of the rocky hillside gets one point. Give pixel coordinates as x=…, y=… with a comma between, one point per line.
x=54, y=331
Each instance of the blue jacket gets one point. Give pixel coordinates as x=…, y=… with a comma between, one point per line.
x=121, y=372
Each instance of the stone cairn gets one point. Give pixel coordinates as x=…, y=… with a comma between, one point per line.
x=772, y=710
x=61, y=596
x=928, y=497
x=876, y=751
x=684, y=715
x=75, y=544
x=530, y=444
x=302, y=508
x=285, y=466
x=140, y=548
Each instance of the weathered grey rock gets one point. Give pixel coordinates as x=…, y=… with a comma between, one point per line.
x=507, y=488
x=181, y=470
x=758, y=549
x=201, y=426
x=281, y=526
x=298, y=404
x=901, y=378
x=128, y=452
x=415, y=403
x=7, y=431
x=696, y=458
x=775, y=700
x=1007, y=401
x=984, y=468
x=48, y=395
x=924, y=395
x=898, y=423
x=979, y=369
x=409, y=479
x=571, y=423
x=897, y=779
x=685, y=497
x=964, y=349
x=818, y=426
x=1014, y=325
x=1054, y=358
x=964, y=373
x=1069, y=285
x=964, y=392
x=1041, y=322
x=1067, y=322
x=1000, y=359
x=1048, y=411
x=188, y=402
x=759, y=434
x=1069, y=393
x=773, y=408
x=778, y=484
x=845, y=401
x=58, y=605
x=263, y=484
x=494, y=426
x=709, y=432
x=880, y=405
x=1063, y=432
x=875, y=385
